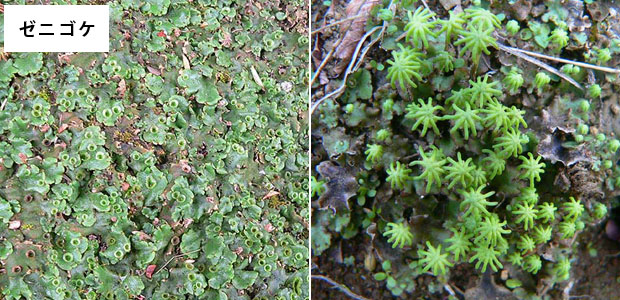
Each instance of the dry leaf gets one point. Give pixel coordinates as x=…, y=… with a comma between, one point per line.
x=15, y=224
x=3, y=55
x=353, y=30
x=256, y=77
x=341, y=185
x=149, y=271
x=153, y=70
x=122, y=87
x=186, y=62
x=185, y=59
x=488, y=290
x=271, y=194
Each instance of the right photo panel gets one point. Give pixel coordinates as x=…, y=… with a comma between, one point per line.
x=465, y=149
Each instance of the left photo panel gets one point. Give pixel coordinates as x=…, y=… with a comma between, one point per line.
x=154, y=150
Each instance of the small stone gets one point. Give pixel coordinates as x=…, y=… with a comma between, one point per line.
x=15, y=224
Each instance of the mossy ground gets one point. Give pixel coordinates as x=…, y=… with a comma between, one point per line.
x=344, y=258
x=172, y=167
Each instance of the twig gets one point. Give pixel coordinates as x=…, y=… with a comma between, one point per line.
x=340, y=287
x=350, y=68
x=449, y=289
x=617, y=254
x=4, y=103
x=539, y=63
x=355, y=63
x=527, y=56
x=175, y=257
x=337, y=22
x=566, y=61
x=323, y=63
x=429, y=9
x=326, y=59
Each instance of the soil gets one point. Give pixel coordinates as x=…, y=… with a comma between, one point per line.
x=355, y=277
x=593, y=277
x=595, y=267
x=597, y=277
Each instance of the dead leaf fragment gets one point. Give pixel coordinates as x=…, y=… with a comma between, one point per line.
x=256, y=77
x=23, y=157
x=150, y=269
x=122, y=88
x=353, y=30
x=153, y=70
x=271, y=194
x=15, y=224
x=340, y=186
x=186, y=64
x=488, y=290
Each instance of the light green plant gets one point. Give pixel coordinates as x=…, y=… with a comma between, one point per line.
x=484, y=256
x=573, y=208
x=514, y=80
x=541, y=80
x=374, y=153
x=497, y=116
x=464, y=120
x=459, y=171
x=532, y=263
x=476, y=39
x=494, y=163
x=510, y=143
x=419, y=27
x=482, y=18
x=434, y=260
x=546, y=212
x=433, y=165
x=452, y=26
x=398, y=175
x=482, y=91
x=476, y=202
x=542, y=234
x=490, y=231
x=404, y=66
x=424, y=114
x=399, y=234
x=526, y=213
x=459, y=243
x=532, y=168
x=526, y=244
x=512, y=27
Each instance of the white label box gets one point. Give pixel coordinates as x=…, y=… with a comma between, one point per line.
x=56, y=28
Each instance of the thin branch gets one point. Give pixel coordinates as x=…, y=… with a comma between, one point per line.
x=566, y=61
x=355, y=63
x=337, y=22
x=326, y=59
x=350, y=68
x=4, y=103
x=429, y=9
x=323, y=63
x=539, y=63
x=340, y=287
x=175, y=257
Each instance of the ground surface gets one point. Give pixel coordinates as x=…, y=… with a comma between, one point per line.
x=595, y=264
